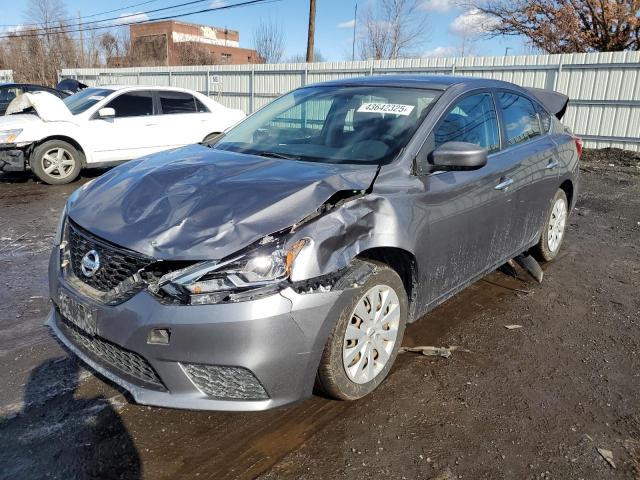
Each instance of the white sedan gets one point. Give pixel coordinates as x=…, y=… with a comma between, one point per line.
x=103, y=126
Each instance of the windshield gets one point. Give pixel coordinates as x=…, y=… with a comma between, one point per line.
x=368, y=125
x=81, y=101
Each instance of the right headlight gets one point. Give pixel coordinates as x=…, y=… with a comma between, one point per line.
x=9, y=136
x=263, y=267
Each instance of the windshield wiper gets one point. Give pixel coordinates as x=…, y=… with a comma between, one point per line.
x=277, y=155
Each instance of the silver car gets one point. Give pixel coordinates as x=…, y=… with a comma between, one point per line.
x=292, y=252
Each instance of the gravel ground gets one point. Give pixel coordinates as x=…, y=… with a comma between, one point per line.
x=533, y=402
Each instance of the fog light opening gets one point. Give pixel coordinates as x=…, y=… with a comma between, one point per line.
x=159, y=336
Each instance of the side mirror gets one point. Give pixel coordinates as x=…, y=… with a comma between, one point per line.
x=106, y=113
x=459, y=156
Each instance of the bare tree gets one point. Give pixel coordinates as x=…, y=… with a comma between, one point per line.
x=302, y=58
x=392, y=29
x=268, y=41
x=566, y=26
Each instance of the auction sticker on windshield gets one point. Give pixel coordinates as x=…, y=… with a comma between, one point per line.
x=393, y=108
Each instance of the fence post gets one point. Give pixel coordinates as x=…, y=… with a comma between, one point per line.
x=170, y=81
x=138, y=77
x=252, y=90
x=208, y=82
x=453, y=67
x=557, y=76
x=305, y=75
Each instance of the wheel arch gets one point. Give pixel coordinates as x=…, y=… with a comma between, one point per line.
x=403, y=262
x=567, y=188
x=63, y=138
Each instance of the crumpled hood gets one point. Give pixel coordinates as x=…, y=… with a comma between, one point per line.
x=196, y=203
x=48, y=107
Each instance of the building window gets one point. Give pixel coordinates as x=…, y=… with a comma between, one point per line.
x=226, y=58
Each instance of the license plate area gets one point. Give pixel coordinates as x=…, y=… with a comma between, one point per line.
x=82, y=316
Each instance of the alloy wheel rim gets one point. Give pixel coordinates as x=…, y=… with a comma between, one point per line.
x=371, y=334
x=557, y=223
x=58, y=162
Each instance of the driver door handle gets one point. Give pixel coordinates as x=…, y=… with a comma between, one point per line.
x=504, y=183
x=553, y=163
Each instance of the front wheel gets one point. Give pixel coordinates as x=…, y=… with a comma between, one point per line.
x=553, y=231
x=55, y=162
x=365, y=341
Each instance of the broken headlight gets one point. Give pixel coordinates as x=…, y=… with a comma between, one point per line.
x=260, y=269
x=57, y=239
x=9, y=136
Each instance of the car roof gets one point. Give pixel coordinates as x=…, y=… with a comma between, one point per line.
x=117, y=88
x=16, y=84
x=433, y=82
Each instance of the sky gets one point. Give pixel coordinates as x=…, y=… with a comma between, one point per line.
x=447, y=25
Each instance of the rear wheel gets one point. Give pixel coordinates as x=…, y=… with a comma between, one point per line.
x=553, y=231
x=55, y=162
x=364, y=343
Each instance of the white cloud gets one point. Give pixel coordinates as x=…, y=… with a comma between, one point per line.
x=472, y=23
x=218, y=3
x=347, y=24
x=130, y=18
x=437, y=5
x=441, y=52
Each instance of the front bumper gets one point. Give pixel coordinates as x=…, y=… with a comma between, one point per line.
x=12, y=158
x=276, y=340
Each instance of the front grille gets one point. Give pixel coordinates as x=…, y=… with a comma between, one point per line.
x=125, y=361
x=226, y=383
x=116, y=263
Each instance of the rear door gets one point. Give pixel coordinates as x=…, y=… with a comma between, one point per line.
x=468, y=216
x=534, y=154
x=132, y=133
x=183, y=119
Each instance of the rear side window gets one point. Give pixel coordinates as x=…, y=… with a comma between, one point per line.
x=177, y=102
x=520, y=118
x=133, y=104
x=473, y=119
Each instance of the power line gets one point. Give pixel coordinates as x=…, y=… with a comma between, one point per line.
x=84, y=16
x=212, y=9
x=53, y=29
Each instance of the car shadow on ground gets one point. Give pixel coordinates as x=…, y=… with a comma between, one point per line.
x=60, y=434
x=23, y=177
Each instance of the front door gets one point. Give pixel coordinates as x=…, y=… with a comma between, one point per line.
x=469, y=213
x=132, y=133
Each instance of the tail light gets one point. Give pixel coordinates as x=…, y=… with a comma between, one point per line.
x=578, y=141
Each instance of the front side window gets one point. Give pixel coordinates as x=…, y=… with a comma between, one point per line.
x=132, y=104
x=520, y=118
x=473, y=119
x=334, y=124
x=85, y=99
x=177, y=102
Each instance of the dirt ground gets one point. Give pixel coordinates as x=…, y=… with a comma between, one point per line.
x=533, y=402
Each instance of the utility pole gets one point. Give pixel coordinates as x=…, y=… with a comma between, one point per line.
x=312, y=30
x=355, y=22
x=81, y=40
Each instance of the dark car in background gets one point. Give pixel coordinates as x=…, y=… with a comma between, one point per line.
x=292, y=252
x=9, y=91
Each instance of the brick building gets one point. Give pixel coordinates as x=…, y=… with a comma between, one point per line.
x=169, y=42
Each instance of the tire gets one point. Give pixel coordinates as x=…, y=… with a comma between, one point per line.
x=554, y=228
x=43, y=162
x=344, y=373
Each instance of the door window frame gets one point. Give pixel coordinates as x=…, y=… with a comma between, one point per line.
x=503, y=129
x=429, y=142
x=154, y=98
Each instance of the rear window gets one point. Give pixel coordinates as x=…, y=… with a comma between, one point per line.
x=177, y=102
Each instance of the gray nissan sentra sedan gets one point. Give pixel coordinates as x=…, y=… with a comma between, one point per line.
x=292, y=252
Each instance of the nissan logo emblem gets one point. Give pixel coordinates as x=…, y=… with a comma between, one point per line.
x=90, y=263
